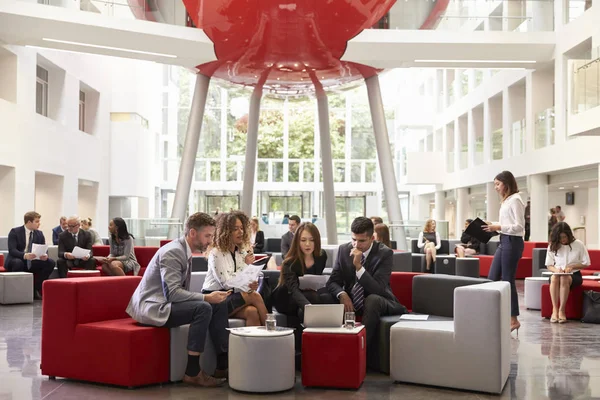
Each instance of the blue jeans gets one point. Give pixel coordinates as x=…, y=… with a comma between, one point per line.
x=504, y=266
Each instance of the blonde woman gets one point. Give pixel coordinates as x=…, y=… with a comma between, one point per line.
x=257, y=237
x=86, y=225
x=231, y=253
x=429, y=242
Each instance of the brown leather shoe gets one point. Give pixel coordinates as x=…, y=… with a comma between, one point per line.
x=204, y=380
x=221, y=373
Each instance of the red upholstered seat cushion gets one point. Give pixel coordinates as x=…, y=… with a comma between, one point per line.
x=401, y=285
x=524, y=268
x=595, y=259
x=164, y=241
x=574, y=306
x=1, y=261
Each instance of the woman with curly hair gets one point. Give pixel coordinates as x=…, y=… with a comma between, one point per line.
x=429, y=242
x=231, y=253
x=565, y=255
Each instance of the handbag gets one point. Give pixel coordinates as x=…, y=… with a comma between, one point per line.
x=591, y=307
x=265, y=291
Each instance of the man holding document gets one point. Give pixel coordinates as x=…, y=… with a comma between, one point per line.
x=27, y=252
x=74, y=248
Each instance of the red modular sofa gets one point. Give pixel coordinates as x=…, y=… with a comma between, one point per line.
x=574, y=307
x=524, y=269
x=86, y=334
x=401, y=284
x=2, y=269
x=595, y=260
x=143, y=254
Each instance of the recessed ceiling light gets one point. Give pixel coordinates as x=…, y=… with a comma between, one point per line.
x=576, y=186
x=97, y=46
x=561, y=188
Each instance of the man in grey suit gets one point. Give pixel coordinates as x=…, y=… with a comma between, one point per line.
x=286, y=239
x=163, y=299
x=360, y=280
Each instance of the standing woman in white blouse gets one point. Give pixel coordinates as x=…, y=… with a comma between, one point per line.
x=511, y=228
x=565, y=254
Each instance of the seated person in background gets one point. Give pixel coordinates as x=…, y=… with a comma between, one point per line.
x=429, y=242
x=382, y=234
x=377, y=220
x=57, y=230
x=67, y=241
x=20, y=258
x=304, y=258
x=361, y=281
x=469, y=246
x=163, y=298
x=285, y=219
x=121, y=259
x=229, y=255
x=257, y=238
x=86, y=225
x=565, y=254
x=286, y=239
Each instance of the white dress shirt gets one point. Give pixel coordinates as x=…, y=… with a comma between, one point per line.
x=361, y=271
x=574, y=254
x=512, y=216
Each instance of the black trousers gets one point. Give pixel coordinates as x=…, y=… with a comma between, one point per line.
x=204, y=319
x=41, y=270
x=65, y=265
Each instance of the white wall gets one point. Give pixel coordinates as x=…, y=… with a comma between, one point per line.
x=582, y=207
x=48, y=201
x=591, y=222
x=87, y=201
x=8, y=75
x=7, y=199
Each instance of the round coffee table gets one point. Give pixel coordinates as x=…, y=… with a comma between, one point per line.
x=83, y=273
x=261, y=361
x=533, y=292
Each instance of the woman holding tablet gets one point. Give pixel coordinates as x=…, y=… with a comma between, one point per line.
x=565, y=255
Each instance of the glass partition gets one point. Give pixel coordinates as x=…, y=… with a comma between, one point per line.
x=586, y=84
x=544, y=128
x=150, y=231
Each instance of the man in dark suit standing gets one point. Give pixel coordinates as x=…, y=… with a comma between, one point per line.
x=20, y=258
x=67, y=241
x=286, y=240
x=57, y=230
x=361, y=281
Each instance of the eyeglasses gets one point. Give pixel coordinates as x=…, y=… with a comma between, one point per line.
x=73, y=226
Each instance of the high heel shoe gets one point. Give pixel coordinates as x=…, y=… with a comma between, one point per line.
x=515, y=327
x=554, y=318
x=562, y=320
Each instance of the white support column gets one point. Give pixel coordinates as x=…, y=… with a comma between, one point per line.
x=487, y=132
x=538, y=193
x=457, y=145
x=471, y=139
x=462, y=209
x=560, y=98
x=530, y=113
x=506, y=125
x=440, y=205
x=445, y=144
x=561, y=14
x=386, y=162
x=327, y=161
x=251, y=151
x=492, y=209
x=286, y=139
x=190, y=149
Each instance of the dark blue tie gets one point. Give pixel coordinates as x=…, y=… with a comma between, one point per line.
x=358, y=292
x=29, y=247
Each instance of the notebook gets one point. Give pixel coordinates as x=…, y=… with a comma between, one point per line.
x=475, y=229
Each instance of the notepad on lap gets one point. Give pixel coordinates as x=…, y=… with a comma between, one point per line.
x=475, y=229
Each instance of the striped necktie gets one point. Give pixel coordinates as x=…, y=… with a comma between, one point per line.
x=358, y=292
x=29, y=247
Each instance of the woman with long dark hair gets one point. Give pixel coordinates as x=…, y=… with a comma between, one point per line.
x=565, y=255
x=121, y=259
x=382, y=234
x=304, y=257
x=511, y=228
x=231, y=253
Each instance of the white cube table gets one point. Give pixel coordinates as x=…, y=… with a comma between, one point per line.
x=533, y=292
x=261, y=361
x=16, y=287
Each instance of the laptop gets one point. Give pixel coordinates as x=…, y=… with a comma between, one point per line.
x=323, y=315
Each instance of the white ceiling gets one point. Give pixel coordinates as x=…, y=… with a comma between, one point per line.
x=24, y=23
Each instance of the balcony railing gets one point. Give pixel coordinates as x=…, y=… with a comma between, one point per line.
x=497, y=143
x=586, y=84
x=544, y=128
x=518, y=136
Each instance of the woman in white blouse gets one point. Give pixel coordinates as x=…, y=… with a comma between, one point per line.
x=429, y=242
x=565, y=254
x=511, y=228
x=231, y=253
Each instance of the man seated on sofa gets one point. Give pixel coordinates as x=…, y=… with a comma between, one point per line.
x=361, y=281
x=286, y=239
x=67, y=241
x=57, y=230
x=20, y=257
x=163, y=299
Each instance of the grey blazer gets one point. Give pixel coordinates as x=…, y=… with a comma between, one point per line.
x=166, y=281
x=286, y=243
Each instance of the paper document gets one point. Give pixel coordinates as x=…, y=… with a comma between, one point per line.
x=243, y=278
x=78, y=252
x=39, y=250
x=414, y=317
x=313, y=282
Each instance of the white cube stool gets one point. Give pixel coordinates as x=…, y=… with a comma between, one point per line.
x=261, y=361
x=533, y=292
x=16, y=287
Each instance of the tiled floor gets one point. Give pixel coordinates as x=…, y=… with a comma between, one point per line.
x=549, y=361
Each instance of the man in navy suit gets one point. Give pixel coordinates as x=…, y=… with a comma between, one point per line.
x=360, y=280
x=57, y=230
x=21, y=259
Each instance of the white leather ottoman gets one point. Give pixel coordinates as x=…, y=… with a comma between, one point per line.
x=16, y=287
x=533, y=292
x=261, y=361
